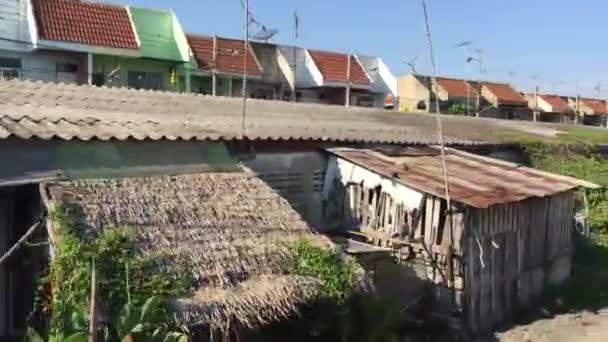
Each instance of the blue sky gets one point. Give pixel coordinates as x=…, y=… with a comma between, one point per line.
x=562, y=44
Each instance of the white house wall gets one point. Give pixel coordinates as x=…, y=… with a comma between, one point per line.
x=41, y=66
x=306, y=71
x=348, y=172
x=16, y=25
x=383, y=81
x=180, y=38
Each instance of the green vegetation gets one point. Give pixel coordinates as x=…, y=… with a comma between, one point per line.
x=459, y=109
x=337, y=276
x=587, y=288
x=568, y=135
x=341, y=313
x=127, y=280
x=578, y=161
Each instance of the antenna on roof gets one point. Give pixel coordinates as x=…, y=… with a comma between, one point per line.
x=264, y=34
x=466, y=45
x=412, y=64
x=511, y=74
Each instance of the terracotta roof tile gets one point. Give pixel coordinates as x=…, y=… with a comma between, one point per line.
x=455, y=88
x=557, y=103
x=82, y=22
x=230, y=54
x=505, y=94
x=598, y=106
x=333, y=67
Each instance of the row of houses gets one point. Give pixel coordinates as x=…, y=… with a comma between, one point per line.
x=418, y=93
x=84, y=42
x=75, y=41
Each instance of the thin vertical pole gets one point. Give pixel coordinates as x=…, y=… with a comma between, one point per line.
x=295, y=55
x=246, y=46
x=347, y=90
x=93, y=304
x=446, y=182
x=213, y=71
x=577, y=109
x=535, y=115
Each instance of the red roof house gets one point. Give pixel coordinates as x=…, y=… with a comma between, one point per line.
x=334, y=68
x=555, y=104
x=594, y=106
x=455, y=87
x=80, y=22
x=502, y=94
x=229, y=55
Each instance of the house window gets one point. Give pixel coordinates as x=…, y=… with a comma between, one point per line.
x=10, y=68
x=145, y=80
x=66, y=67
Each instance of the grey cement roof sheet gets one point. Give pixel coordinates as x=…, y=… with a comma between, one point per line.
x=47, y=110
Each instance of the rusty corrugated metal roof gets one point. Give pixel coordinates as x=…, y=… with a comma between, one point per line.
x=474, y=180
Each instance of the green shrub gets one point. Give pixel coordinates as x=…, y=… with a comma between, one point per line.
x=116, y=256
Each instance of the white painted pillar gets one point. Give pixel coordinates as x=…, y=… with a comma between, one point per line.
x=89, y=68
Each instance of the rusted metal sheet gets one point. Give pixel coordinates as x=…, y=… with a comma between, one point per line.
x=474, y=180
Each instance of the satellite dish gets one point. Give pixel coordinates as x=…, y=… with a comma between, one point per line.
x=264, y=34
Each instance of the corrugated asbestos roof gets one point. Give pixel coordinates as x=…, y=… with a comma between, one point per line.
x=47, y=110
x=474, y=180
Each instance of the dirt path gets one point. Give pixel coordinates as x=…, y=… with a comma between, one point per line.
x=579, y=327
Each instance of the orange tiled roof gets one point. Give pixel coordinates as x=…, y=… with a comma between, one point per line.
x=333, y=67
x=598, y=106
x=505, y=94
x=456, y=88
x=557, y=103
x=82, y=22
x=230, y=55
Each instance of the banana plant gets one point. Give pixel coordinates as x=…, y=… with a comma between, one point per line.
x=147, y=323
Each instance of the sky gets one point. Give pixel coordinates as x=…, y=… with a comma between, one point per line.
x=560, y=46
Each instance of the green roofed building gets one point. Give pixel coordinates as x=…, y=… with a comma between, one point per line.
x=163, y=55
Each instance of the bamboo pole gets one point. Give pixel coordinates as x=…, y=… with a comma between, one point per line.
x=93, y=301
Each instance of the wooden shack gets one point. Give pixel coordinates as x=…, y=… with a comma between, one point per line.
x=507, y=234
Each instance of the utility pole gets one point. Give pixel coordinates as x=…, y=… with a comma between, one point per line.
x=296, y=21
x=347, y=92
x=535, y=114
x=213, y=70
x=577, y=109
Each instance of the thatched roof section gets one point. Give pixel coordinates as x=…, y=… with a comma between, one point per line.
x=230, y=229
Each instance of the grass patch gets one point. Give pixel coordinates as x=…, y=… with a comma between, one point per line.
x=566, y=135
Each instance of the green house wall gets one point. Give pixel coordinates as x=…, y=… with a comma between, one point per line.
x=103, y=65
x=160, y=35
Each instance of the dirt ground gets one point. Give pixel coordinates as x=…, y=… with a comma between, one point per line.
x=584, y=326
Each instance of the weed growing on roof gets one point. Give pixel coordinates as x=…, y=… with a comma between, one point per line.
x=115, y=255
x=580, y=161
x=337, y=275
